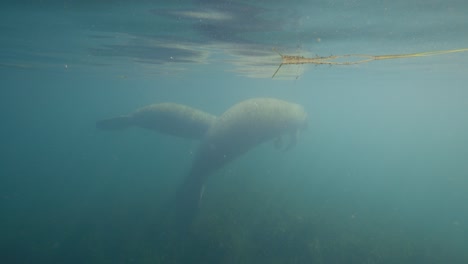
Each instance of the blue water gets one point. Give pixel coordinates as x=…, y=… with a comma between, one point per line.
x=379, y=176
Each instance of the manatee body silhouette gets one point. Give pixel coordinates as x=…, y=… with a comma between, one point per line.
x=239, y=129
x=167, y=118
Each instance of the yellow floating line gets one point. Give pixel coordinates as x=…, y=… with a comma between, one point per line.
x=331, y=60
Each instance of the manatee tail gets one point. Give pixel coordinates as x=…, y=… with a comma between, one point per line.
x=115, y=123
x=187, y=204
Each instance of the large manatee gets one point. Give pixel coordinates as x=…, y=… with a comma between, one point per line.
x=239, y=129
x=168, y=118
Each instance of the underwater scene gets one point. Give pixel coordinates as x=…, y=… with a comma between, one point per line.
x=234, y=132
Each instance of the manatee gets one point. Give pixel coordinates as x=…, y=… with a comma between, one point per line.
x=239, y=129
x=167, y=118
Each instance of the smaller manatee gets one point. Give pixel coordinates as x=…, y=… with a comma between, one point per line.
x=167, y=118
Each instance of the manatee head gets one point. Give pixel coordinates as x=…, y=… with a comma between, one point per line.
x=300, y=118
x=288, y=117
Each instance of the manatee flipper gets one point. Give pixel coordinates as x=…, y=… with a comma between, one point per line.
x=115, y=123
